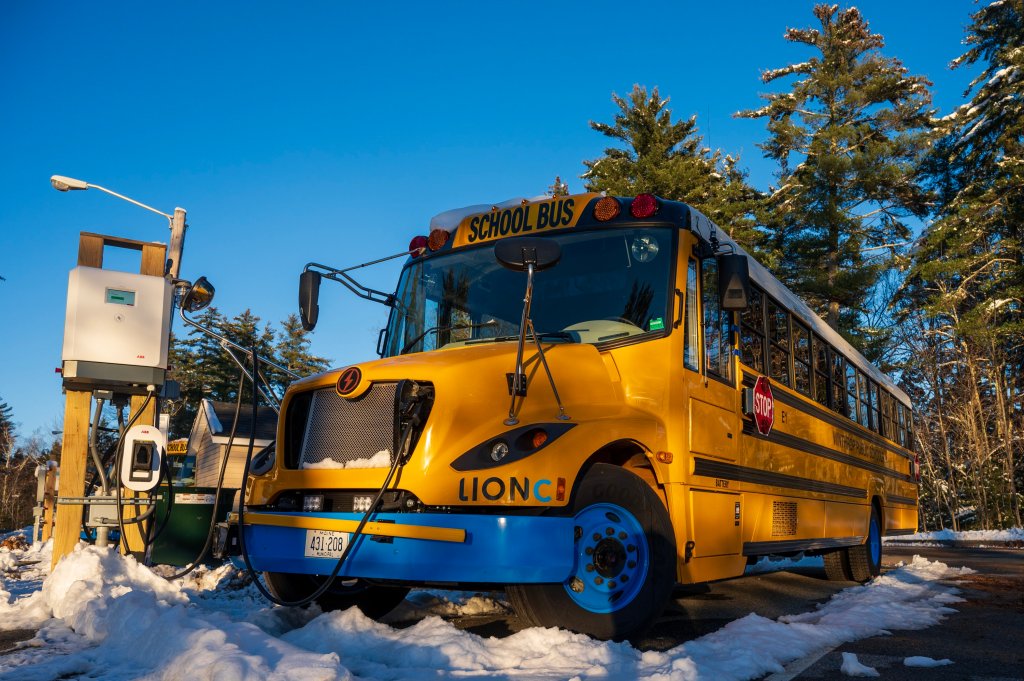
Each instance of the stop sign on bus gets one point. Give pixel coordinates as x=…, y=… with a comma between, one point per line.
x=764, y=405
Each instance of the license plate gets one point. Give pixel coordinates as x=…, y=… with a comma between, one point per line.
x=324, y=544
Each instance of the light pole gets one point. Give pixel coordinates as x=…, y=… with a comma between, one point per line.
x=176, y=222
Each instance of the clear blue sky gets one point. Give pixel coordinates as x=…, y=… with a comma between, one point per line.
x=333, y=131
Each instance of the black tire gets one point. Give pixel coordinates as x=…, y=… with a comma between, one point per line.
x=374, y=601
x=837, y=567
x=865, y=560
x=624, y=563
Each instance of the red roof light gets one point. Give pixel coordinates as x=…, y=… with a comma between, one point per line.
x=644, y=206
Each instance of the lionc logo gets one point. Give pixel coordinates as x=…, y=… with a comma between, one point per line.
x=348, y=380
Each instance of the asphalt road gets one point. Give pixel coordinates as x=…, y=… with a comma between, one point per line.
x=985, y=638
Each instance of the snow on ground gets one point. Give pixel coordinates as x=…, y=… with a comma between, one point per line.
x=104, y=616
x=1013, y=534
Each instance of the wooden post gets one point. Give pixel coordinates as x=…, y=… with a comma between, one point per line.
x=49, y=501
x=73, y=455
x=78, y=403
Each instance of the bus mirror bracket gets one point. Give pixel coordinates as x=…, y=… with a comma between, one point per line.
x=530, y=255
x=309, y=297
x=733, y=281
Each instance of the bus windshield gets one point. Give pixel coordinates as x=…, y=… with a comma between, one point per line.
x=608, y=285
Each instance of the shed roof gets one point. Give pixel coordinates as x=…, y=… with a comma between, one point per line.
x=221, y=418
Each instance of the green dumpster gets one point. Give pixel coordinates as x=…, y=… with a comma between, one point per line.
x=184, y=532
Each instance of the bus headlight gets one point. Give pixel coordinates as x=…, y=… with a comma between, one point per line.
x=499, y=450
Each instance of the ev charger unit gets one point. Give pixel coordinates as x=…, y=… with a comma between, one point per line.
x=116, y=330
x=144, y=448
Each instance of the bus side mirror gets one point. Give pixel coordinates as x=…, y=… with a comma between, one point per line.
x=733, y=281
x=199, y=295
x=517, y=254
x=309, y=299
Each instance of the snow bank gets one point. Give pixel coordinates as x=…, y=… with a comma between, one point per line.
x=381, y=459
x=103, y=615
x=1013, y=534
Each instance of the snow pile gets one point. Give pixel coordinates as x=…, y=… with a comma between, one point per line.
x=103, y=615
x=1013, y=534
x=854, y=667
x=381, y=459
x=422, y=603
x=776, y=563
x=918, y=661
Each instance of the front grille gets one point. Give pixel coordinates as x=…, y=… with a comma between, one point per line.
x=343, y=430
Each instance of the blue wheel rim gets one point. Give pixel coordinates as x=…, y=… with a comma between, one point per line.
x=875, y=541
x=611, y=559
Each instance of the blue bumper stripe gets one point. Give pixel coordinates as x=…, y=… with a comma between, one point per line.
x=498, y=549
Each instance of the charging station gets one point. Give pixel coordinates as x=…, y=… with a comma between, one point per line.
x=116, y=330
x=115, y=347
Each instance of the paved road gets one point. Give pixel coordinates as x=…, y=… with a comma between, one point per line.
x=985, y=638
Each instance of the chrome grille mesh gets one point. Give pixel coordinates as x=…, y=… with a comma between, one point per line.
x=345, y=430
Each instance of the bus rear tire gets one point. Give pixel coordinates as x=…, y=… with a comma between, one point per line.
x=624, y=562
x=865, y=560
x=374, y=601
x=837, y=568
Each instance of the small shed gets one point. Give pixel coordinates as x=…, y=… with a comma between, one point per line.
x=208, y=441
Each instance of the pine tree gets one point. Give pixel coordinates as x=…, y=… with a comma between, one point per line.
x=558, y=188
x=6, y=429
x=293, y=352
x=201, y=368
x=847, y=135
x=668, y=159
x=968, y=275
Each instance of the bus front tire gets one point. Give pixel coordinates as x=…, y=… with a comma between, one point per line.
x=374, y=601
x=624, y=562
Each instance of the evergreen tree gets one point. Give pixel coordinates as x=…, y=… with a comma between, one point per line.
x=668, y=159
x=293, y=352
x=848, y=136
x=558, y=188
x=967, y=280
x=6, y=429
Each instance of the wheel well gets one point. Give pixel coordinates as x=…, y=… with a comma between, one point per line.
x=876, y=502
x=628, y=454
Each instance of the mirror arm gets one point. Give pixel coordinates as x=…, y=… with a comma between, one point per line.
x=267, y=394
x=342, y=277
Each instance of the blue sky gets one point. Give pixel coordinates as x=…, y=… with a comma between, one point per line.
x=334, y=131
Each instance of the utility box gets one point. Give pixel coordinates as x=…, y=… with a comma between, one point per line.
x=116, y=330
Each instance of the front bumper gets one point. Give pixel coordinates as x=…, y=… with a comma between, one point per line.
x=420, y=547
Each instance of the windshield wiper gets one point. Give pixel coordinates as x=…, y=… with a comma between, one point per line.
x=408, y=346
x=543, y=335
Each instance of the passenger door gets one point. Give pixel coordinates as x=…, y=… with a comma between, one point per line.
x=709, y=366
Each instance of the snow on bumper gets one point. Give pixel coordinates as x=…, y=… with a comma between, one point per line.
x=420, y=546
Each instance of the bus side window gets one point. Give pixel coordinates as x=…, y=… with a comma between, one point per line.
x=717, y=341
x=752, y=340
x=692, y=321
x=778, y=343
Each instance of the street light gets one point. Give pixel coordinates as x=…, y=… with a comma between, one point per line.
x=176, y=222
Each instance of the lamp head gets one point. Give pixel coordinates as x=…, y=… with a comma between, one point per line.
x=63, y=184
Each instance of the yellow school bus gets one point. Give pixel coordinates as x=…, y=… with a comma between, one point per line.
x=657, y=408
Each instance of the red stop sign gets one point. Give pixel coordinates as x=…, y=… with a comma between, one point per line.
x=764, y=405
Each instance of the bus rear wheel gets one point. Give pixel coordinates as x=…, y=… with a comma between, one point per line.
x=858, y=563
x=624, y=562
x=866, y=559
x=373, y=600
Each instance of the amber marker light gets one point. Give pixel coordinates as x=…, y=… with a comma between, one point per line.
x=560, y=490
x=607, y=208
x=664, y=457
x=438, y=238
x=644, y=206
x=538, y=439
